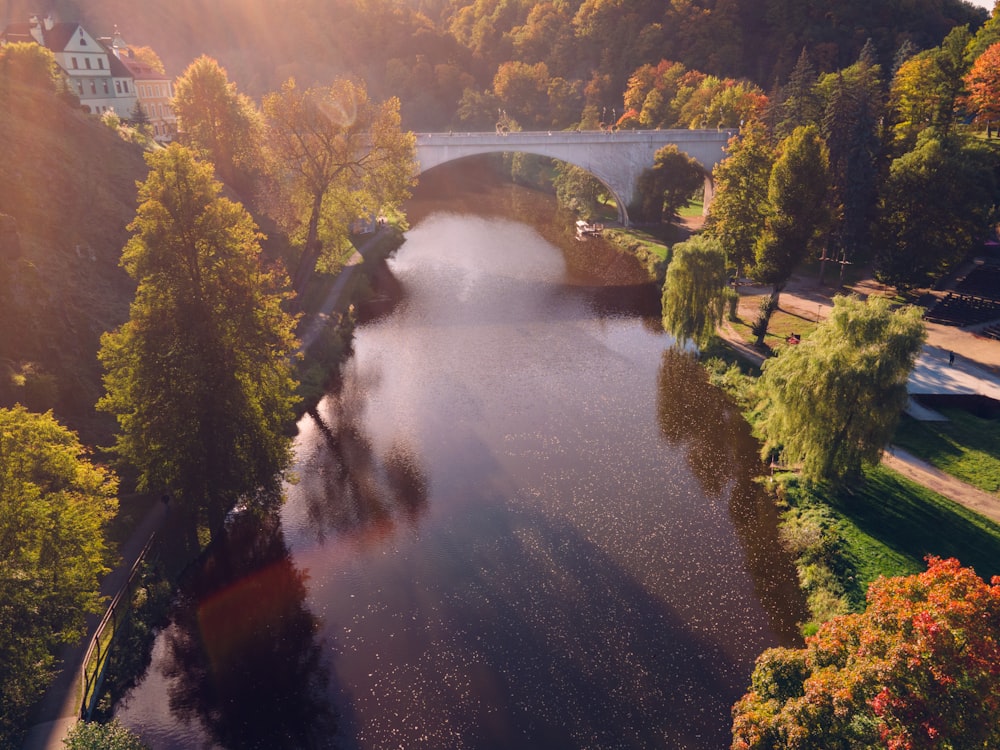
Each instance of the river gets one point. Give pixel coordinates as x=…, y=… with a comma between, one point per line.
x=520, y=521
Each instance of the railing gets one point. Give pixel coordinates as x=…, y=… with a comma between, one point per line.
x=115, y=620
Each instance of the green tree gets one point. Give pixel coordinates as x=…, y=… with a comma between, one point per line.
x=669, y=185
x=694, y=290
x=797, y=217
x=578, y=189
x=799, y=102
x=89, y=735
x=855, y=109
x=830, y=404
x=738, y=210
x=54, y=505
x=337, y=154
x=935, y=205
x=199, y=377
x=27, y=65
x=213, y=117
x=919, y=669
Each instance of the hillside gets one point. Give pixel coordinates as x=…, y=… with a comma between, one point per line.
x=68, y=183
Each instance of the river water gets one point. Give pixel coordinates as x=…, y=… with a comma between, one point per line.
x=521, y=521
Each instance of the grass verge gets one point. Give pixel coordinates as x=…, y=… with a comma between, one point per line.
x=967, y=446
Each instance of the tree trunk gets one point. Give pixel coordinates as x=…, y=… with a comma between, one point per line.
x=763, y=320
x=311, y=251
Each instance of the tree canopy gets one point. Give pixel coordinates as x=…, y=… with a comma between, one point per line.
x=199, y=377
x=797, y=213
x=694, y=290
x=336, y=155
x=214, y=118
x=919, y=669
x=831, y=403
x=54, y=505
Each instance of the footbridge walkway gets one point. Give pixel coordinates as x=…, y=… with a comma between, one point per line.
x=616, y=158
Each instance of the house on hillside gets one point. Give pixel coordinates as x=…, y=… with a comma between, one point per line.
x=101, y=82
x=153, y=89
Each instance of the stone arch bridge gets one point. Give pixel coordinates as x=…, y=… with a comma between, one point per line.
x=616, y=158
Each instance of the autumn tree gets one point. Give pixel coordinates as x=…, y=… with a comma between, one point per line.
x=797, y=214
x=983, y=85
x=199, y=377
x=336, y=155
x=738, y=209
x=214, y=118
x=54, y=506
x=578, y=189
x=668, y=186
x=919, y=669
x=830, y=404
x=934, y=206
x=694, y=290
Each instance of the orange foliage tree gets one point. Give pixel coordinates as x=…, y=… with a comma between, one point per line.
x=983, y=84
x=918, y=669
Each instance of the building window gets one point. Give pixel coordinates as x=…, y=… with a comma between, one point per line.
x=100, y=63
x=118, y=87
x=76, y=65
x=83, y=41
x=106, y=91
x=125, y=84
x=79, y=87
x=88, y=63
x=93, y=87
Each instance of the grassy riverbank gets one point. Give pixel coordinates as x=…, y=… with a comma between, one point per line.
x=966, y=446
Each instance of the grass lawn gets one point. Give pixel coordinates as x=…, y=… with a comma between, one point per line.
x=780, y=327
x=966, y=447
x=890, y=524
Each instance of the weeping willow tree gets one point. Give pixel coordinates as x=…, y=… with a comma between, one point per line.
x=694, y=292
x=830, y=404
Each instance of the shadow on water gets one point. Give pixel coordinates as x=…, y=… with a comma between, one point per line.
x=723, y=456
x=242, y=655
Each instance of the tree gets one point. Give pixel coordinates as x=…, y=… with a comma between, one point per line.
x=694, y=290
x=935, y=206
x=27, y=65
x=983, y=85
x=797, y=214
x=831, y=403
x=578, y=189
x=919, y=669
x=90, y=735
x=739, y=207
x=855, y=107
x=800, y=103
x=667, y=187
x=54, y=505
x=337, y=154
x=215, y=119
x=199, y=377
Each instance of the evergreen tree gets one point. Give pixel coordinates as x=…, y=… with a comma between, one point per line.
x=199, y=377
x=854, y=109
x=935, y=205
x=831, y=403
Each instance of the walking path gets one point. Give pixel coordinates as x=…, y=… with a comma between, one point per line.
x=59, y=709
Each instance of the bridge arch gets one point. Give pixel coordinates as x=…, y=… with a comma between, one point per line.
x=617, y=159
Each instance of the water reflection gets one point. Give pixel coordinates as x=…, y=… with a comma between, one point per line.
x=723, y=456
x=240, y=656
